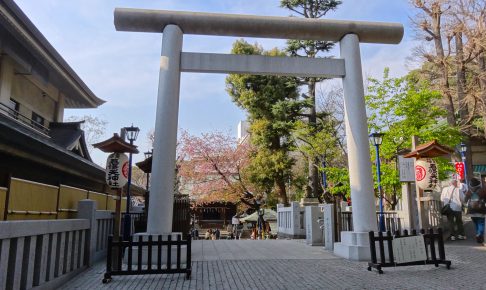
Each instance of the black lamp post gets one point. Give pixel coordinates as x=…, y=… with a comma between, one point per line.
x=147, y=154
x=463, y=157
x=376, y=139
x=131, y=133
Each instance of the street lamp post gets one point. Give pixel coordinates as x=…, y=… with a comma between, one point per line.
x=376, y=139
x=463, y=157
x=131, y=133
x=147, y=154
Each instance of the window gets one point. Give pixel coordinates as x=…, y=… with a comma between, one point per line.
x=37, y=121
x=14, y=108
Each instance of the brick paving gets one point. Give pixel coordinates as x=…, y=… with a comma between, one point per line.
x=290, y=264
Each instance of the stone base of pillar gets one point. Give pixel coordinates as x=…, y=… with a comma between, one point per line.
x=154, y=258
x=353, y=246
x=309, y=201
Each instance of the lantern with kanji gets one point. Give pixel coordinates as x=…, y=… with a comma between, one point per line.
x=117, y=170
x=426, y=173
x=117, y=162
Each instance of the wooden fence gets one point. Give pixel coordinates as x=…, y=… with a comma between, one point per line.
x=181, y=220
x=28, y=200
x=432, y=212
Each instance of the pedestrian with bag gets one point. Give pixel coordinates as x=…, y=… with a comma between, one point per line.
x=452, y=198
x=476, y=207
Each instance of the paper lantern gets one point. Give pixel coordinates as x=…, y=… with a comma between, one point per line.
x=117, y=170
x=426, y=174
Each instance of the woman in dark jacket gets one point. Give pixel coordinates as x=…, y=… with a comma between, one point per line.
x=476, y=207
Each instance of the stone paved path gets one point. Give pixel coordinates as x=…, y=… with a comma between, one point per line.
x=290, y=264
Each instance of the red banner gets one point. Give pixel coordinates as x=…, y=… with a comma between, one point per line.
x=460, y=169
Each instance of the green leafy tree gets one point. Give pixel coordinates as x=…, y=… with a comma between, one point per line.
x=320, y=145
x=401, y=108
x=310, y=48
x=338, y=179
x=273, y=107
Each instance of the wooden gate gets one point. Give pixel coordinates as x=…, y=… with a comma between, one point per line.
x=181, y=217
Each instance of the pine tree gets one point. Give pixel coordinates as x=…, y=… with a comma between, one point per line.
x=310, y=48
x=273, y=108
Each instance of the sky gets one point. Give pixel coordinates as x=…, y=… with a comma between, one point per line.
x=122, y=67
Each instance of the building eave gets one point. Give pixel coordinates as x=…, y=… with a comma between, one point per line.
x=31, y=145
x=116, y=144
x=429, y=150
x=25, y=31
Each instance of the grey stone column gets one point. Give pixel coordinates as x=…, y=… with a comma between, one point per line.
x=359, y=161
x=87, y=210
x=163, y=164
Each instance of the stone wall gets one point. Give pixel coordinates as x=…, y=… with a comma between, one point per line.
x=42, y=252
x=291, y=221
x=47, y=253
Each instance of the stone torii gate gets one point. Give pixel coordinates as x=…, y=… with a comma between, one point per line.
x=173, y=24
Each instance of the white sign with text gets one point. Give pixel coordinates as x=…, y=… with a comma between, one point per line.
x=407, y=170
x=409, y=249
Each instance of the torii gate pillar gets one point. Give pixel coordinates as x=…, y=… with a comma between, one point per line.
x=355, y=245
x=159, y=220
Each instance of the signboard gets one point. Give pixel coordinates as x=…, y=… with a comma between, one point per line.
x=409, y=249
x=406, y=167
x=426, y=173
x=460, y=169
x=117, y=170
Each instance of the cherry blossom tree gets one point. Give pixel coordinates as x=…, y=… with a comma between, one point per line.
x=212, y=165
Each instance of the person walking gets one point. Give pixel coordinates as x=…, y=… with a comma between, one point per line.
x=235, y=221
x=239, y=231
x=453, y=195
x=476, y=207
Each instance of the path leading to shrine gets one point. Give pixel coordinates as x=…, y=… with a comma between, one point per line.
x=291, y=264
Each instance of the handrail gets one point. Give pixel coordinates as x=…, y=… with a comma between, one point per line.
x=23, y=119
x=67, y=210
x=34, y=212
x=392, y=220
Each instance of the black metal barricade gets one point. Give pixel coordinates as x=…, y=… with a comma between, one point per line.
x=150, y=267
x=431, y=240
